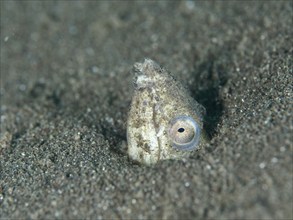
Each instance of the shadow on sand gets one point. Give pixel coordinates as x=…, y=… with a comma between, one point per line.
x=208, y=80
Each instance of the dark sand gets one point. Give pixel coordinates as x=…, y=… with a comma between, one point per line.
x=66, y=85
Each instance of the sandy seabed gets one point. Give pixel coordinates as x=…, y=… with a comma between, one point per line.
x=66, y=86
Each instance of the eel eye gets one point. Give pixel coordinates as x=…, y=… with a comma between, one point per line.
x=184, y=133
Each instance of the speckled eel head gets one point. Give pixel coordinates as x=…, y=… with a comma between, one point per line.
x=164, y=121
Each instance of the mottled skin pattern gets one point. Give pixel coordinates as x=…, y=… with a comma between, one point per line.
x=158, y=98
